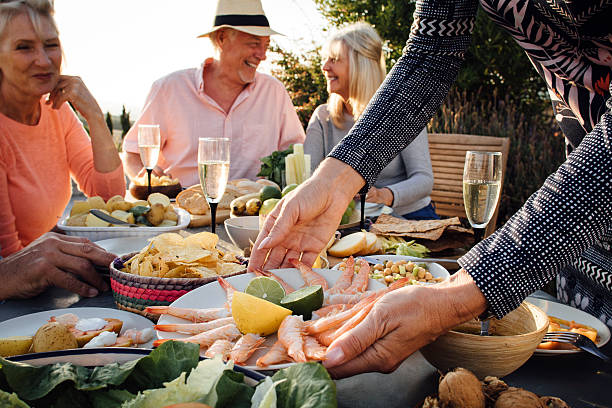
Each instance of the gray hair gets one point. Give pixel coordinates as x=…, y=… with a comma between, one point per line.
x=34, y=9
x=214, y=37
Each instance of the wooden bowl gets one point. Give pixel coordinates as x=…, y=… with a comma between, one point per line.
x=513, y=340
x=141, y=192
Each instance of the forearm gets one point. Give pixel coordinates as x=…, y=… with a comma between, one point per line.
x=342, y=178
x=105, y=154
x=132, y=164
x=411, y=190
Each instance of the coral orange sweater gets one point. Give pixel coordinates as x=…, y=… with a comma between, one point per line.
x=36, y=163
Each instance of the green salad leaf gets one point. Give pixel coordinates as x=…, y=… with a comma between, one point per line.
x=273, y=166
x=170, y=374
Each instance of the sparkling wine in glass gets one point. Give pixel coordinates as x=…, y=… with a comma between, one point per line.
x=481, y=187
x=213, y=169
x=148, y=145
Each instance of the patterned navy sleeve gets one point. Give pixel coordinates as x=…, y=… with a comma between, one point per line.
x=567, y=215
x=413, y=90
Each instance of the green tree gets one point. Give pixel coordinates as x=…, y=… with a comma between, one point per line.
x=109, y=122
x=125, y=121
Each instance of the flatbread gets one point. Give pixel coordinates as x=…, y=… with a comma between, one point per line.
x=387, y=224
x=194, y=201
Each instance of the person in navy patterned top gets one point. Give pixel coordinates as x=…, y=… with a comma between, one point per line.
x=563, y=228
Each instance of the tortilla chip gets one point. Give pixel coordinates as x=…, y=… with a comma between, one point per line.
x=231, y=268
x=386, y=224
x=206, y=240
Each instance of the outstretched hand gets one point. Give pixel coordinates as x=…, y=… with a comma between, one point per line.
x=54, y=260
x=304, y=220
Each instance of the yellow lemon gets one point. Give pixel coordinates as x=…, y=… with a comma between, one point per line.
x=255, y=315
x=12, y=346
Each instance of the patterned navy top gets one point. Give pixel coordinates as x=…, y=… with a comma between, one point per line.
x=570, y=44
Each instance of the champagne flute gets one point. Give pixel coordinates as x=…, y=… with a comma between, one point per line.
x=148, y=145
x=213, y=168
x=481, y=187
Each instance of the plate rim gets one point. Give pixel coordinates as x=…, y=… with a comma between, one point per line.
x=604, y=339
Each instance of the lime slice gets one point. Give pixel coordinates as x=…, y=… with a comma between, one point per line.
x=266, y=288
x=304, y=301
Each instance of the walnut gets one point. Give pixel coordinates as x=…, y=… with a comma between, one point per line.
x=492, y=387
x=518, y=397
x=461, y=389
x=553, y=402
x=431, y=402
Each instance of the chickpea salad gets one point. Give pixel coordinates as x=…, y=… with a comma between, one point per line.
x=391, y=271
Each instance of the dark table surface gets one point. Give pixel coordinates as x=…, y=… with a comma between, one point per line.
x=582, y=380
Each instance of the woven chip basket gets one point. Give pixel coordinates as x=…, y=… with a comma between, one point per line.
x=134, y=292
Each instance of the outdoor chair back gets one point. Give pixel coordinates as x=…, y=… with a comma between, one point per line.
x=447, y=152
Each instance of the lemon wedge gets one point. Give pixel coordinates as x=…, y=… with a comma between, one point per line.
x=255, y=315
x=13, y=346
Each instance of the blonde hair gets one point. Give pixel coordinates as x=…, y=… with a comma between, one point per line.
x=367, y=68
x=34, y=9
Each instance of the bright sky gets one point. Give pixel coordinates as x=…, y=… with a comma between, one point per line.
x=119, y=47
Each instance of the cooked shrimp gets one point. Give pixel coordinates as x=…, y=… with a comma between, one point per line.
x=345, y=298
x=246, y=346
x=195, y=315
x=67, y=319
x=329, y=310
x=221, y=348
x=288, y=288
x=345, y=280
x=139, y=336
x=336, y=320
x=276, y=355
x=326, y=337
x=313, y=349
x=354, y=320
x=227, y=332
x=360, y=282
x=229, y=292
x=194, y=328
x=290, y=334
x=310, y=277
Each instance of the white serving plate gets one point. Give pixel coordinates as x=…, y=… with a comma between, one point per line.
x=566, y=312
x=100, y=233
x=436, y=270
x=212, y=295
x=123, y=245
x=27, y=325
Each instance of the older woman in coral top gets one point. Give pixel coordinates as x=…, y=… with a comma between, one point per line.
x=42, y=142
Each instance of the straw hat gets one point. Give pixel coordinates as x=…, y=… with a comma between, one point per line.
x=242, y=15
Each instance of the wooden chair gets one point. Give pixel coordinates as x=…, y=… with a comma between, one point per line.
x=447, y=159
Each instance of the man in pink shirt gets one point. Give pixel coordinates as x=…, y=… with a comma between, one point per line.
x=225, y=97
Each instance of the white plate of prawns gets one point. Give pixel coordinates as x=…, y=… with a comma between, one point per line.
x=347, y=300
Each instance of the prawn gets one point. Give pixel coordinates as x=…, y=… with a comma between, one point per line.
x=276, y=355
x=290, y=334
x=353, y=321
x=310, y=277
x=195, y=315
x=360, y=282
x=139, y=336
x=246, y=346
x=313, y=349
x=229, y=292
x=330, y=322
x=345, y=280
x=227, y=332
x=221, y=348
x=194, y=328
x=288, y=288
x=67, y=319
x=330, y=310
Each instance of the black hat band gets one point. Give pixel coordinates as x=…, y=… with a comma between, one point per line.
x=242, y=20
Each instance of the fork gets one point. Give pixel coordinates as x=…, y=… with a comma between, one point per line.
x=576, y=339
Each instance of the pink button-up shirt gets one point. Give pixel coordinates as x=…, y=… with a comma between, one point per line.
x=261, y=120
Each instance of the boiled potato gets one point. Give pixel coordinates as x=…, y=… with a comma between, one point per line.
x=96, y=202
x=122, y=205
x=159, y=198
x=53, y=336
x=156, y=214
x=110, y=204
x=15, y=345
x=123, y=216
x=80, y=207
x=93, y=221
x=143, y=203
x=167, y=223
x=170, y=214
x=78, y=220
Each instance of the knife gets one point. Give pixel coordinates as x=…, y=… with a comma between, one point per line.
x=103, y=216
x=375, y=260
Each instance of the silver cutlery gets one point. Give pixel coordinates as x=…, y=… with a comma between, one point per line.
x=108, y=218
x=576, y=339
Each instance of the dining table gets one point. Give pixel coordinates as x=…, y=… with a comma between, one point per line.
x=581, y=379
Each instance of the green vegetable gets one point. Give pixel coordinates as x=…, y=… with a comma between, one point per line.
x=347, y=213
x=141, y=219
x=169, y=375
x=273, y=165
x=139, y=210
x=269, y=192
